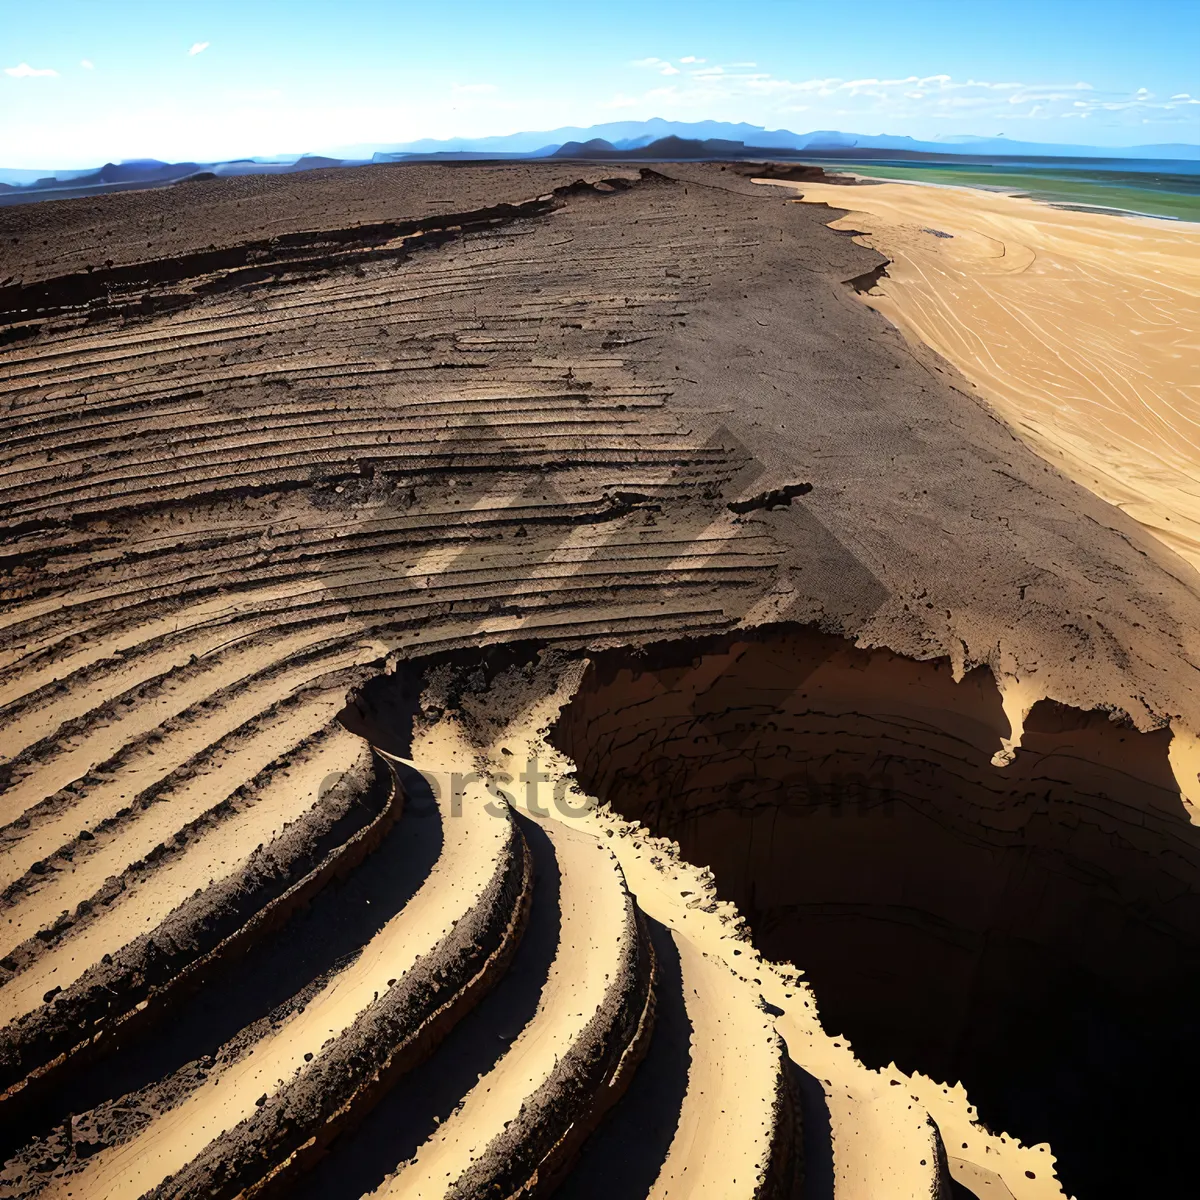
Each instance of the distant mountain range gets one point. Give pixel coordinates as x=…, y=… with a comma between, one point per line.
x=635, y=135
x=656, y=139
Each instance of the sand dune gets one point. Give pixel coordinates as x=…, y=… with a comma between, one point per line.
x=1082, y=329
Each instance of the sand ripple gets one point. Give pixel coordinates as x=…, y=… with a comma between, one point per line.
x=1081, y=329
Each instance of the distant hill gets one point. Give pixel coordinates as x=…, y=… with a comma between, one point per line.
x=656, y=139
x=667, y=149
x=587, y=149
x=633, y=135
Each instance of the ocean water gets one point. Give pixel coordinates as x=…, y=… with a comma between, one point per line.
x=1153, y=187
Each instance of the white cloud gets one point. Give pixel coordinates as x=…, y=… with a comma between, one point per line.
x=691, y=58
x=912, y=104
x=645, y=62
x=87, y=64
x=198, y=48
x=258, y=122
x=25, y=71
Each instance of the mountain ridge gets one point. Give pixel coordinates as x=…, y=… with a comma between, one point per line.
x=655, y=138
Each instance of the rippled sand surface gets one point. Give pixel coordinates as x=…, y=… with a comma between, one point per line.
x=1082, y=329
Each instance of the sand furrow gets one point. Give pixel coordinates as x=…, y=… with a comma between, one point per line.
x=215, y=854
x=736, y=1071
x=594, y=940
x=475, y=845
x=226, y=767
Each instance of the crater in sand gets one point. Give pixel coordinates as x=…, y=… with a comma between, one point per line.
x=1033, y=930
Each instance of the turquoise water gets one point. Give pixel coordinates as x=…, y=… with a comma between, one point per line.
x=1161, y=188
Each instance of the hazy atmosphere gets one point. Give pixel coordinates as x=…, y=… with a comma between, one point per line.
x=86, y=82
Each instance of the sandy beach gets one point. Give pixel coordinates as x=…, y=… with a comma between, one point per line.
x=1082, y=330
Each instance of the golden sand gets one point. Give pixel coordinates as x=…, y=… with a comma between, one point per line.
x=1081, y=329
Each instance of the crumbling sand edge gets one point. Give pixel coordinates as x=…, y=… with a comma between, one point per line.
x=783, y=1177
x=148, y=984
x=261, y=1155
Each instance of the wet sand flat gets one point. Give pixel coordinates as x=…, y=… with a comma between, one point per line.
x=1081, y=329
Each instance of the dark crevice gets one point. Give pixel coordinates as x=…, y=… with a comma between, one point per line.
x=118, y=291
x=625, y=1155
x=817, y=1135
x=779, y=497
x=1032, y=930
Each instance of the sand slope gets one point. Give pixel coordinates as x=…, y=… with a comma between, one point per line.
x=1082, y=329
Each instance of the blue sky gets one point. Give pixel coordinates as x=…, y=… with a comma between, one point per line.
x=85, y=81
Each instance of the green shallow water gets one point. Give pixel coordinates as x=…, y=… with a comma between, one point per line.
x=1175, y=196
